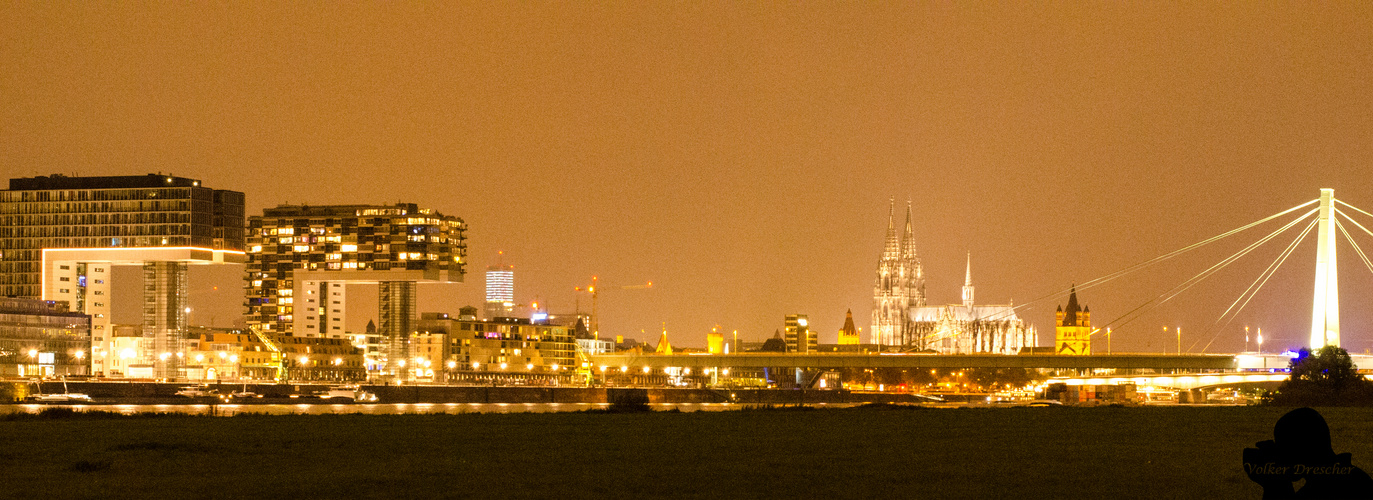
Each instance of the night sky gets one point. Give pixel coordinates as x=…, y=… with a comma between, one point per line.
x=742, y=155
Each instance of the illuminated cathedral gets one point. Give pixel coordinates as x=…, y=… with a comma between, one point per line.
x=902, y=321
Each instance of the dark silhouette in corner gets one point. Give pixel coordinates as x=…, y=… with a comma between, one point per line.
x=1300, y=450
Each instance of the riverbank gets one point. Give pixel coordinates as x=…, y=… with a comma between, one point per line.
x=844, y=453
x=165, y=393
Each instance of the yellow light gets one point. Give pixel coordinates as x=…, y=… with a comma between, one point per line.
x=529, y=366
x=223, y=355
x=80, y=354
x=233, y=358
x=555, y=367
x=199, y=357
x=647, y=369
x=452, y=365
x=33, y=353
x=603, y=367
x=475, y=365
x=502, y=366
x=624, y=369
x=303, y=359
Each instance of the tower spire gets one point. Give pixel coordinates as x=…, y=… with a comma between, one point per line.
x=892, y=249
x=968, y=283
x=908, y=236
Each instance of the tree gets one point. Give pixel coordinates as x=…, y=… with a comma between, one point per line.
x=1326, y=377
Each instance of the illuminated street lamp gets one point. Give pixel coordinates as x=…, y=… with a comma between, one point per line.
x=80, y=354
x=1260, y=340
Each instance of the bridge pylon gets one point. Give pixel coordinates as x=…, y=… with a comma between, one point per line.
x=1325, y=308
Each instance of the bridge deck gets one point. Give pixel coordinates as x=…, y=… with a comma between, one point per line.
x=854, y=360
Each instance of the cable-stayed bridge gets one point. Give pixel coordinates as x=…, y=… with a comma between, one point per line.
x=1326, y=216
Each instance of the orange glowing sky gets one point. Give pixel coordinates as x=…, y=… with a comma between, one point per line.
x=740, y=155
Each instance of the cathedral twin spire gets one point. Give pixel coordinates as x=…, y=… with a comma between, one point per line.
x=900, y=281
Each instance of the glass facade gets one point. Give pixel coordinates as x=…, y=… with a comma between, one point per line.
x=108, y=212
x=349, y=241
x=42, y=339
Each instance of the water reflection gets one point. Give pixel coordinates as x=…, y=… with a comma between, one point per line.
x=364, y=408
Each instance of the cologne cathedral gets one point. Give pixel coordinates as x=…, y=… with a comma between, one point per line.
x=902, y=321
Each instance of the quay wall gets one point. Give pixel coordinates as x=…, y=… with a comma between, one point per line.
x=165, y=393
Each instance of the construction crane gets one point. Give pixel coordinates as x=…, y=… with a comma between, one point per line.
x=595, y=290
x=278, y=357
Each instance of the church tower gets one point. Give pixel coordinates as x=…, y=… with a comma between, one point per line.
x=968, y=283
x=912, y=279
x=892, y=290
x=1073, y=327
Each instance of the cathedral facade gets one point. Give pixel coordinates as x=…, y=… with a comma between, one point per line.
x=902, y=321
x=900, y=285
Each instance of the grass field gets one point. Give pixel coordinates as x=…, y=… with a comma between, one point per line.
x=1154, y=452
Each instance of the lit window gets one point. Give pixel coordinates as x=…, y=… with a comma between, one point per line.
x=286, y=230
x=349, y=248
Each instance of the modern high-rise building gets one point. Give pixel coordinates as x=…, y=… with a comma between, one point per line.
x=60, y=236
x=799, y=337
x=301, y=259
x=500, y=291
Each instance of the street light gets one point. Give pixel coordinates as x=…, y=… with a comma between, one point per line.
x=1260, y=339
x=1179, y=341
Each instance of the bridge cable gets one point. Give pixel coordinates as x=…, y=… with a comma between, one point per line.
x=1254, y=288
x=1353, y=207
x=1131, y=269
x=1136, y=313
x=1350, y=239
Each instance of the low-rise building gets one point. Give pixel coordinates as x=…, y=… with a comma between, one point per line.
x=43, y=339
x=506, y=349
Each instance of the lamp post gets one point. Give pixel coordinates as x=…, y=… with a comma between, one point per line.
x=1108, y=340
x=1260, y=340
x=1246, y=339
x=1165, y=332
x=1179, y=341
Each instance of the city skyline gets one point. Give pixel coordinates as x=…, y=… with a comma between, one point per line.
x=739, y=157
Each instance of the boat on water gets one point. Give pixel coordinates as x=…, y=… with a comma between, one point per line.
x=348, y=392
x=244, y=394
x=195, y=391
x=65, y=397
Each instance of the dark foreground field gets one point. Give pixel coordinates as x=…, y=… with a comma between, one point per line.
x=1177, y=452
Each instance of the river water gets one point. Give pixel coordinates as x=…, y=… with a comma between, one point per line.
x=365, y=408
